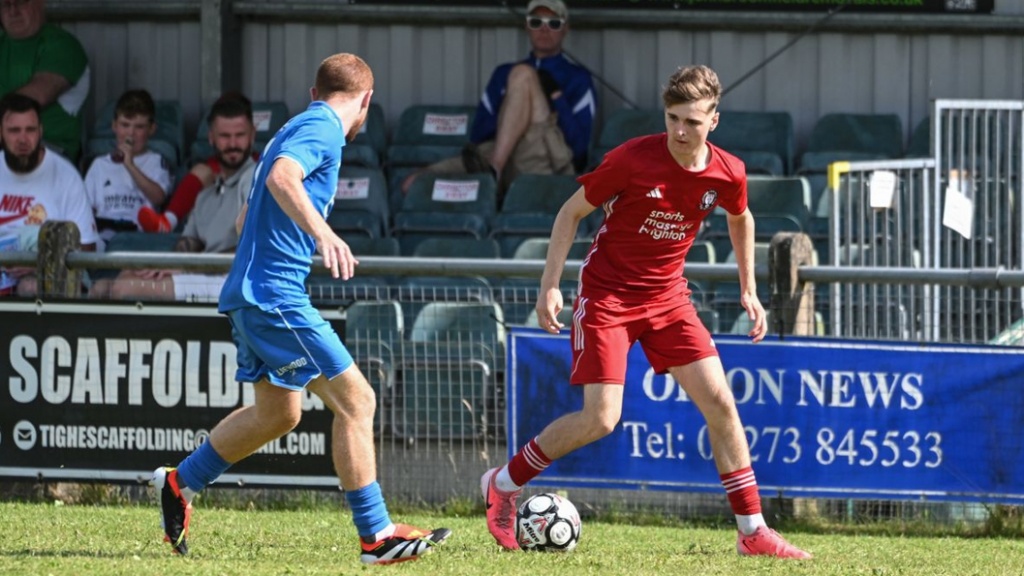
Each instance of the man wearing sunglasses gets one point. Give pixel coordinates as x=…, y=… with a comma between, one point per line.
x=536, y=115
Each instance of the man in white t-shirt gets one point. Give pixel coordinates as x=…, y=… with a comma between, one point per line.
x=210, y=227
x=130, y=176
x=36, y=184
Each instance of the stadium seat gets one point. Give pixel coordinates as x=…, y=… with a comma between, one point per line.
x=541, y=193
x=710, y=319
x=984, y=131
x=326, y=291
x=529, y=209
x=373, y=331
x=268, y=117
x=518, y=296
x=537, y=249
x=763, y=140
x=366, y=246
x=760, y=254
x=565, y=317
x=779, y=196
x=457, y=248
x=415, y=292
x=445, y=205
x=142, y=242
x=851, y=137
x=371, y=143
x=701, y=252
x=449, y=368
x=378, y=362
x=375, y=320
x=428, y=133
x=920, y=140
x=840, y=137
x=360, y=203
x=623, y=124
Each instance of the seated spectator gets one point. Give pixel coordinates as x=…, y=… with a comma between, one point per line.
x=49, y=65
x=36, y=184
x=536, y=115
x=131, y=175
x=201, y=175
x=211, y=227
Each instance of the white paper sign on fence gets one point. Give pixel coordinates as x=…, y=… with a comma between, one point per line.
x=883, y=188
x=958, y=212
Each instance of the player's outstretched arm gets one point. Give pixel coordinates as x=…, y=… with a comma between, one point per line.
x=285, y=185
x=549, y=301
x=741, y=233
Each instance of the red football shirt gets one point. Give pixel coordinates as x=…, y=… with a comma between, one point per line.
x=653, y=209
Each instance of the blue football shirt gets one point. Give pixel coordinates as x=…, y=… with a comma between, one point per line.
x=274, y=254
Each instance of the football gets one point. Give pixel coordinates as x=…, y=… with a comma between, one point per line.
x=547, y=523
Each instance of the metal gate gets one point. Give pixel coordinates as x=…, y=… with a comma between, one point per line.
x=959, y=209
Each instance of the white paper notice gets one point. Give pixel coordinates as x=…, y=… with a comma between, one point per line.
x=446, y=124
x=455, y=190
x=883, y=188
x=261, y=119
x=958, y=212
x=353, y=189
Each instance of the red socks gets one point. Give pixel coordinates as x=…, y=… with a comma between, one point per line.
x=741, y=489
x=527, y=463
x=153, y=221
x=184, y=196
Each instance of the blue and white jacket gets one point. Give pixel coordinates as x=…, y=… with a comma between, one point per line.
x=576, y=107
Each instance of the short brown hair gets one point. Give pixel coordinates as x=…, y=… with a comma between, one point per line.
x=230, y=105
x=135, y=103
x=343, y=73
x=18, y=104
x=691, y=84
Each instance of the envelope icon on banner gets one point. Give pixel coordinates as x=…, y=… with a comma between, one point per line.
x=24, y=435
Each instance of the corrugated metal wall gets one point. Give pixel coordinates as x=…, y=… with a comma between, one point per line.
x=831, y=72
x=162, y=57
x=823, y=72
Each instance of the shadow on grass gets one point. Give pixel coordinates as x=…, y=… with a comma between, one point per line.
x=26, y=554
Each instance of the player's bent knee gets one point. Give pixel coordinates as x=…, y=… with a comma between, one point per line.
x=283, y=421
x=601, y=426
x=522, y=74
x=348, y=395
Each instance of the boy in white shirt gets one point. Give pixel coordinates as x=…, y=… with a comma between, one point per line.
x=131, y=176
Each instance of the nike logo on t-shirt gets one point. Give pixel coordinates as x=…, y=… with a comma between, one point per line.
x=12, y=218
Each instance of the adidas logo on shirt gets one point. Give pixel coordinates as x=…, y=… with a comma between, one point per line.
x=654, y=193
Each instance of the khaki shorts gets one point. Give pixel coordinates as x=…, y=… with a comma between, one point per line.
x=542, y=150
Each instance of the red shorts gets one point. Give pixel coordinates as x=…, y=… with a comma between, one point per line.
x=603, y=331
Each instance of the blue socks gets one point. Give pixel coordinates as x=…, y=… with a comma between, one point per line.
x=202, y=467
x=369, y=513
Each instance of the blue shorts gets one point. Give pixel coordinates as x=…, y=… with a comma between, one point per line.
x=288, y=346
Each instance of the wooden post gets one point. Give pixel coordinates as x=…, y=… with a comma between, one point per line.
x=54, y=278
x=792, y=302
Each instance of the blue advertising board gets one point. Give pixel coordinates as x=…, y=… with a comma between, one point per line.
x=824, y=418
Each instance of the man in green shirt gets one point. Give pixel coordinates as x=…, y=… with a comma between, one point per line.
x=49, y=65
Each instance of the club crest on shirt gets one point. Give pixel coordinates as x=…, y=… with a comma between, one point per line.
x=707, y=201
